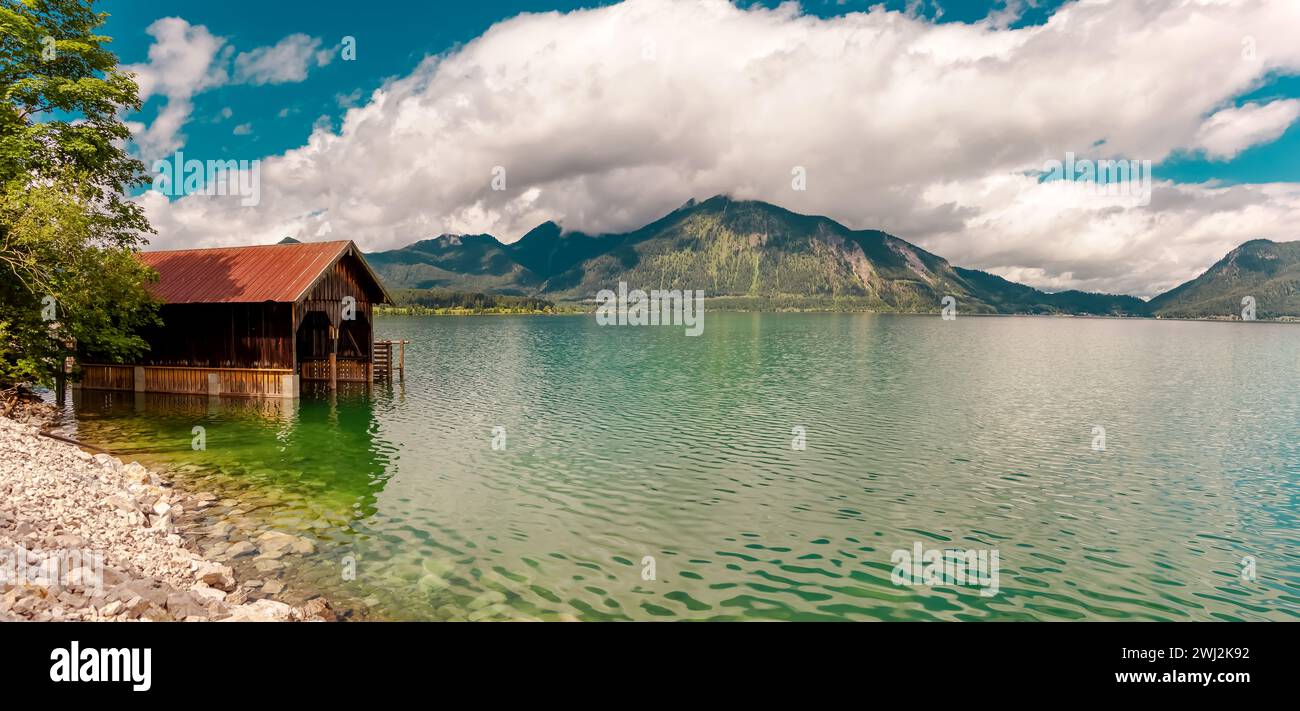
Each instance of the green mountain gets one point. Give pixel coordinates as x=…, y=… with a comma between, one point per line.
x=1268, y=271
x=761, y=255
x=475, y=263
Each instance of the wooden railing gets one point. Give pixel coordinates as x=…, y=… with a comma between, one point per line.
x=349, y=370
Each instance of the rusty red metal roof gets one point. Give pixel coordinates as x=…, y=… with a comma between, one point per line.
x=275, y=272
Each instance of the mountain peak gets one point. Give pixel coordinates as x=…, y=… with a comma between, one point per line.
x=445, y=237
x=450, y=240
x=719, y=200
x=1259, y=242
x=544, y=232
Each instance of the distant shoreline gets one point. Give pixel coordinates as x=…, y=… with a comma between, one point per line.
x=583, y=310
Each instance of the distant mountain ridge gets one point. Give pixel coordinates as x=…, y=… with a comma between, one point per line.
x=1267, y=271
x=759, y=251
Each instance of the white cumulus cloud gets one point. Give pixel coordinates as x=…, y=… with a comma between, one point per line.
x=1231, y=131
x=185, y=60
x=283, y=62
x=607, y=118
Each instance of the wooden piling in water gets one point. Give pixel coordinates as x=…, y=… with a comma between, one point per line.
x=334, y=360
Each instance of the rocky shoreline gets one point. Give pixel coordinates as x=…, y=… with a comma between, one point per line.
x=87, y=537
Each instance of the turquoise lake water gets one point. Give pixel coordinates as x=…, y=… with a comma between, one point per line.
x=623, y=445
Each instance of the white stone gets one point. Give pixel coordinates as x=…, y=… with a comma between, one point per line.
x=208, y=593
x=261, y=611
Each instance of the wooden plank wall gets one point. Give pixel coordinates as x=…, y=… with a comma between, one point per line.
x=222, y=336
x=235, y=382
x=253, y=382
x=192, y=381
x=108, y=377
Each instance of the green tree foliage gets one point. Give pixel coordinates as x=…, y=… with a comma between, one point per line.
x=68, y=231
x=447, y=301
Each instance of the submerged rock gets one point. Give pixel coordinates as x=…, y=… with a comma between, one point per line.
x=239, y=549
x=273, y=542
x=215, y=575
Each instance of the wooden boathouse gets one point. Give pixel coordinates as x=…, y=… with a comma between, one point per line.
x=255, y=321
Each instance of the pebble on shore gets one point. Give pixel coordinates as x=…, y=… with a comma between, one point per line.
x=60, y=503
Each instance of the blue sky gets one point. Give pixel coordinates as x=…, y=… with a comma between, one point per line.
x=392, y=40
x=1247, y=135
